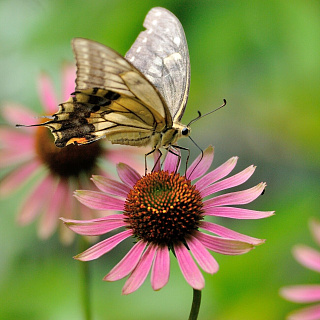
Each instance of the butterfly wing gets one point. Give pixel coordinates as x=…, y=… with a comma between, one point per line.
x=112, y=99
x=161, y=54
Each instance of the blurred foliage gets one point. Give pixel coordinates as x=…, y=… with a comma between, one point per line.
x=263, y=57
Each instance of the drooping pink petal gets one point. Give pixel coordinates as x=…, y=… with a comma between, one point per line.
x=46, y=94
x=103, y=247
x=239, y=197
x=98, y=200
x=11, y=138
x=15, y=157
x=230, y=182
x=229, y=234
x=140, y=272
x=217, y=174
x=172, y=161
x=116, y=155
x=18, y=177
x=127, y=264
x=68, y=81
x=188, y=267
x=161, y=268
x=34, y=202
x=17, y=114
x=237, y=213
x=110, y=186
x=86, y=213
x=308, y=313
x=66, y=236
x=95, y=227
x=301, y=293
x=202, y=256
x=201, y=164
x=315, y=229
x=222, y=245
x=307, y=256
x=50, y=218
x=128, y=175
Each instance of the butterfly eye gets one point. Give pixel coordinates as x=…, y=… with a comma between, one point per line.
x=185, y=131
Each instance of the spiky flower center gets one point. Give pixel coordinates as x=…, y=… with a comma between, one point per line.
x=163, y=208
x=68, y=161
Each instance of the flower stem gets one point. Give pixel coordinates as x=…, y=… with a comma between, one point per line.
x=195, y=305
x=85, y=282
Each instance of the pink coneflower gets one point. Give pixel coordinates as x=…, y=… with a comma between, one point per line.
x=165, y=211
x=309, y=258
x=30, y=152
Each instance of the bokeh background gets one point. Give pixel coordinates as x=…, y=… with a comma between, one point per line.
x=264, y=58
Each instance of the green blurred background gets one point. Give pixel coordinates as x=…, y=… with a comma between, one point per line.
x=264, y=58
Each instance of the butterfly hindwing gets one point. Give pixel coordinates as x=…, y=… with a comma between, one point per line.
x=91, y=114
x=161, y=54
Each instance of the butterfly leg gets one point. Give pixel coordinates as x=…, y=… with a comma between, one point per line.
x=182, y=148
x=156, y=162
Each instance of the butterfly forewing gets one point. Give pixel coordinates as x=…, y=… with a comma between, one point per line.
x=161, y=54
x=111, y=97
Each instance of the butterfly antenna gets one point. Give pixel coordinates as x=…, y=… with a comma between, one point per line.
x=37, y=124
x=29, y=125
x=201, y=116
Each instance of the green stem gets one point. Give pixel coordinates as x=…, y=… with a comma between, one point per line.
x=195, y=305
x=85, y=282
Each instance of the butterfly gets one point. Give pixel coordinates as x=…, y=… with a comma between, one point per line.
x=135, y=100
x=138, y=100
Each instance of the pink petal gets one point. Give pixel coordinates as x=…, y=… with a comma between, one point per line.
x=202, y=256
x=201, y=164
x=309, y=313
x=240, y=197
x=237, y=213
x=222, y=245
x=161, y=268
x=230, y=182
x=128, y=175
x=46, y=94
x=301, y=293
x=229, y=234
x=140, y=272
x=307, y=256
x=18, y=114
x=103, y=247
x=50, y=218
x=172, y=161
x=315, y=229
x=18, y=177
x=34, y=202
x=188, y=267
x=98, y=200
x=157, y=160
x=68, y=81
x=95, y=227
x=127, y=264
x=111, y=186
x=217, y=174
